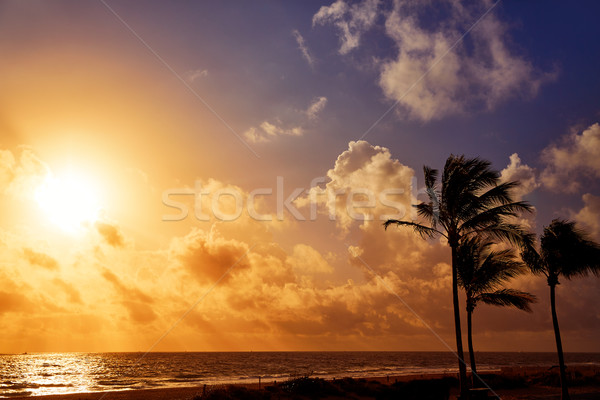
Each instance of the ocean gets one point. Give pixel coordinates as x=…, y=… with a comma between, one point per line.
x=55, y=373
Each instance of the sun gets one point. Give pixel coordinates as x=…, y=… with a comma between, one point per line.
x=69, y=201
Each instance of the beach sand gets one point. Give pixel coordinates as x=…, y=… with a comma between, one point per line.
x=534, y=390
x=535, y=393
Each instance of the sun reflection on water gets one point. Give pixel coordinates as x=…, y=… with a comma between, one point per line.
x=50, y=373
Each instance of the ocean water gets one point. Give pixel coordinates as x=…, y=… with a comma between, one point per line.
x=54, y=373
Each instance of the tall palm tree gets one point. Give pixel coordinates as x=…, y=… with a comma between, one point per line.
x=482, y=273
x=564, y=251
x=471, y=201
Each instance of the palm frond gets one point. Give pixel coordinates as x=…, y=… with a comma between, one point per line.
x=431, y=176
x=499, y=194
x=497, y=268
x=432, y=193
x=480, y=173
x=568, y=250
x=427, y=212
x=425, y=231
x=480, y=269
x=454, y=183
x=511, y=233
x=532, y=258
x=509, y=298
x=489, y=216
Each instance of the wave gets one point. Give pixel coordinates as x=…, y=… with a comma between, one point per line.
x=117, y=383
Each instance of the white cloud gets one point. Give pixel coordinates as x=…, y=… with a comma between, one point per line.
x=269, y=130
x=21, y=174
x=196, y=74
x=523, y=173
x=303, y=48
x=527, y=177
x=274, y=130
x=351, y=21
x=431, y=80
x=413, y=267
x=589, y=215
x=363, y=169
x=316, y=107
x=575, y=158
x=253, y=135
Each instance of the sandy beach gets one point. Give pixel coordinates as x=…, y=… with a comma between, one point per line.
x=529, y=379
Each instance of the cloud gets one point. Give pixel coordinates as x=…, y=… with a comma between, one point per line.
x=305, y=259
x=18, y=296
x=15, y=302
x=351, y=21
x=482, y=72
x=110, y=233
x=133, y=299
x=41, y=259
x=396, y=260
x=22, y=174
x=430, y=78
x=72, y=293
x=303, y=48
x=589, y=216
x=275, y=293
x=522, y=173
x=7, y=166
x=208, y=256
x=299, y=295
x=364, y=174
x=272, y=292
x=528, y=182
x=574, y=158
x=273, y=130
x=129, y=292
x=196, y=74
x=270, y=130
x=397, y=250
x=316, y=107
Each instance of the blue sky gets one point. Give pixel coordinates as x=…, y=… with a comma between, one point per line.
x=252, y=50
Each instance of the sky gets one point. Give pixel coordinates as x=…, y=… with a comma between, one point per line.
x=213, y=176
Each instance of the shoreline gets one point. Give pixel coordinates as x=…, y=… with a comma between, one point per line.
x=189, y=392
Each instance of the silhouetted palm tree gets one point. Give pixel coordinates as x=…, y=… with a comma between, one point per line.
x=564, y=251
x=482, y=273
x=471, y=201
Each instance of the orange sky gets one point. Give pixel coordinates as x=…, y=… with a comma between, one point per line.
x=91, y=263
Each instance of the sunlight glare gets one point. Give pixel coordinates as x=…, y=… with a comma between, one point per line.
x=68, y=202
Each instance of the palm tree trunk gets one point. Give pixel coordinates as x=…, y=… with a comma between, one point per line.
x=559, y=350
x=471, y=352
x=462, y=368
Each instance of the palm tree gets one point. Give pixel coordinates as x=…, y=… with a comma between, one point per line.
x=481, y=273
x=471, y=201
x=564, y=251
